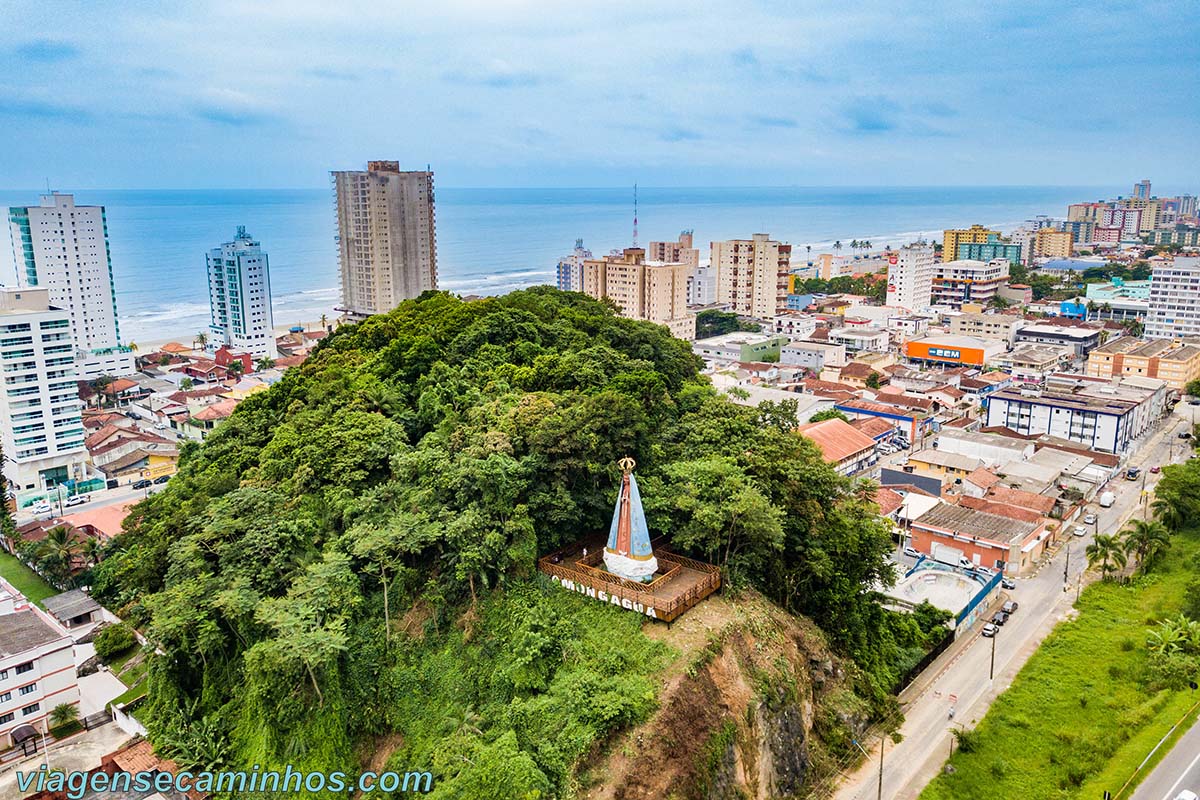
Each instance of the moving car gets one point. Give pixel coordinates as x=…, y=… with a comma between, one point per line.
x=999, y=618
x=1089, y=519
x=1187, y=794
x=77, y=500
x=989, y=631
x=141, y=484
x=1185, y=435
x=909, y=550
x=1008, y=583
x=1156, y=469
x=42, y=508
x=1009, y=607
x=162, y=479
x=1132, y=474
x=984, y=571
x=1107, y=499
x=1080, y=530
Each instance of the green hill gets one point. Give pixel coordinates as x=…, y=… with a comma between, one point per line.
x=344, y=573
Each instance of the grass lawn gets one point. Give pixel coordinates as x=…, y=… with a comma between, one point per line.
x=1077, y=720
x=25, y=580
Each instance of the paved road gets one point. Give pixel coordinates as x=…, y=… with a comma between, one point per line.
x=1044, y=601
x=1179, y=770
x=99, y=499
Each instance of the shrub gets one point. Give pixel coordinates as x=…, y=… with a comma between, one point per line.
x=968, y=741
x=113, y=641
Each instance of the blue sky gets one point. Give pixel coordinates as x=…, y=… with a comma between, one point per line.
x=554, y=93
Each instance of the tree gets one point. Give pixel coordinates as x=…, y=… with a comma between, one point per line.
x=829, y=413
x=63, y=714
x=873, y=380
x=837, y=245
x=201, y=339
x=996, y=301
x=1145, y=540
x=235, y=368
x=1106, y=551
x=113, y=641
x=1193, y=388
x=324, y=322
x=1169, y=511
x=186, y=384
x=56, y=553
x=716, y=323
x=263, y=363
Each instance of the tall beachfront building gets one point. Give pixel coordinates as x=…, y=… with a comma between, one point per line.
x=968, y=281
x=239, y=297
x=951, y=239
x=63, y=247
x=654, y=292
x=1141, y=189
x=40, y=426
x=680, y=251
x=752, y=275
x=1174, y=300
x=387, y=247
x=910, y=277
x=1052, y=243
x=569, y=272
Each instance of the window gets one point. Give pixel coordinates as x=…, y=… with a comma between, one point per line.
x=4, y=698
x=6, y=718
x=23, y=668
x=30, y=689
x=33, y=709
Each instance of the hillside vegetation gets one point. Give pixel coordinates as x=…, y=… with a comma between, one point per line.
x=344, y=573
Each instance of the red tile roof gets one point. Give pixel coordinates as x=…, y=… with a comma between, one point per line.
x=873, y=426
x=1003, y=509
x=887, y=500
x=837, y=439
x=983, y=478
x=1021, y=499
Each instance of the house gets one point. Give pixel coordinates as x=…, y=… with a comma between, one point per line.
x=120, y=392
x=878, y=429
x=942, y=464
x=913, y=423
x=73, y=609
x=224, y=357
x=855, y=374
x=101, y=523
x=37, y=673
x=843, y=446
x=977, y=483
x=206, y=370
x=991, y=540
x=200, y=424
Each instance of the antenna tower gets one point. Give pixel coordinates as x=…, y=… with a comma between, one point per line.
x=635, y=236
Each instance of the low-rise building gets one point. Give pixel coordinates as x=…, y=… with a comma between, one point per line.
x=741, y=346
x=1165, y=359
x=1081, y=340
x=968, y=281
x=943, y=464
x=37, y=672
x=1108, y=416
x=990, y=449
x=795, y=325
x=991, y=540
x=956, y=350
x=988, y=326
x=857, y=339
x=848, y=450
x=1031, y=363
x=814, y=356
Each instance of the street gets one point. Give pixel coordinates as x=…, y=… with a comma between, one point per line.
x=959, y=678
x=99, y=499
x=1179, y=770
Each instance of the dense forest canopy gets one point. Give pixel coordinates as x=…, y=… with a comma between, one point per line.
x=352, y=554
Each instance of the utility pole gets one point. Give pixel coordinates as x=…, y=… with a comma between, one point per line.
x=882, y=743
x=1067, y=563
x=992, y=667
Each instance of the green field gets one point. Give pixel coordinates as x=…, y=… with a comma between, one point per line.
x=25, y=580
x=1078, y=719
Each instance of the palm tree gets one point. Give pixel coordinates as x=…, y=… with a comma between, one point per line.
x=854, y=244
x=63, y=714
x=132, y=346
x=866, y=245
x=808, y=248
x=1104, y=549
x=235, y=368
x=264, y=363
x=324, y=322
x=1169, y=512
x=186, y=384
x=93, y=550
x=1145, y=540
x=56, y=552
x=201, y=339
x=837, y=245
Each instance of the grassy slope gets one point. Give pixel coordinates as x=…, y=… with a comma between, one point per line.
x=1077, y=720
x=26, y=581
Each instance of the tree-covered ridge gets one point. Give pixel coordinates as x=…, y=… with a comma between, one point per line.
x=340, y=533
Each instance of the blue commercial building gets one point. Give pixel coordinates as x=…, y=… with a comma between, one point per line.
x=986, y=251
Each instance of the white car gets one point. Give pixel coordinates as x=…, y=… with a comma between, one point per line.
x=909, y=550
x=1080, y=530
x=42, y=508
x=1187, y=794
x=1089, y=519
x=77, y=500
x=984, y=571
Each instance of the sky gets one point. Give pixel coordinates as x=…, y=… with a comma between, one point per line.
x=225, y=94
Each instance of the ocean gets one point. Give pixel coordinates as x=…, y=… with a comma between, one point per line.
x=491, y=241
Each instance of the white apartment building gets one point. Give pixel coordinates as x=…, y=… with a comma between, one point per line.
x=968, y=281
x=702, y=286
x=814, y=356
x=40, y=425
x=37, y=672
x=239, y=297
x=752, y=275
x=859, y=339
x=63, y=247
x=795, y=325
x=569, y=272
x=910, y=277
x=1174, y=300
x=387, y=245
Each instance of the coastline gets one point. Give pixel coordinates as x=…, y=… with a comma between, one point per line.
x=153, y=345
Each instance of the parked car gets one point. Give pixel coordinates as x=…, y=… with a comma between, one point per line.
x=984, y=572
x=160, y=426
x=42, y=508
x=142, y=483
x=1008, y=583
x=999, y=618
x=989, y=630
x=909, y=550
x=1156, y=469
x=77, y=500
x=162, y=479
x=1132, y=474
x=1187, y=794
x=1009, y=607
x=965, y=562
x=1080, y=530
x=1185, y=435
x=903, y=443
x=1195, y=401
x=1089, y=519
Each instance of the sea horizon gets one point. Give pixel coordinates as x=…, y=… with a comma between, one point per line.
x=495, y=240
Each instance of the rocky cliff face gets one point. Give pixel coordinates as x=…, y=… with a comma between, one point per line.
x=742, y=716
